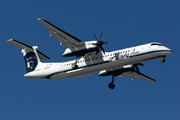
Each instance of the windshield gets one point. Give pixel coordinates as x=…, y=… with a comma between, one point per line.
x=159, y=44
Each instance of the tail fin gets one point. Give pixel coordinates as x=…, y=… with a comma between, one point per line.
x=31, y=55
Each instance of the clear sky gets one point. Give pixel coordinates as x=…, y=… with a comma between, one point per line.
x=124, y=24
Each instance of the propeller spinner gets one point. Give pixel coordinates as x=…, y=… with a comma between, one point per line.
x=99, y=43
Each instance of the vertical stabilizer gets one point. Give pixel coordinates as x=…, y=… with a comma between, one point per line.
x=31, y=59
x=32, y=56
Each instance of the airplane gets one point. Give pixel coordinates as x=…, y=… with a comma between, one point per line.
x=89, y=58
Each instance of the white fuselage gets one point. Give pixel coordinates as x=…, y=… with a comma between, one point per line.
x=94, y=63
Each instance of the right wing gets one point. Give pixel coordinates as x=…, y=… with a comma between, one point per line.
x=65, y=38
x=135, y=75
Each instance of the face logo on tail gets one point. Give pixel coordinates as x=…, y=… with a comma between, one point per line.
x=30, y=61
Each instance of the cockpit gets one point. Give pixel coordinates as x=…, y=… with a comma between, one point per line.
x=157, y=44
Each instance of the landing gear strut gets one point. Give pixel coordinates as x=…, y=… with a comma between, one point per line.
x=75, y=66
x=112, y=85
x=163, y=59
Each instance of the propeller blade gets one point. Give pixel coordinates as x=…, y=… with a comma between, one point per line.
x=102, y=49
x=99, y=43
x=100, y=36
x=95, y=36
x=137, y=68
x=97, y=50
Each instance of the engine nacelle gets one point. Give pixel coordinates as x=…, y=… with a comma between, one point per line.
x=80, y=50
x=116, y=71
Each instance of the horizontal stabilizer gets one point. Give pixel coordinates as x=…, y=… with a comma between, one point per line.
x=24, y=46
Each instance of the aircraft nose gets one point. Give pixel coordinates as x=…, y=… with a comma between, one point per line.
x=168, y=52
x=171, y=51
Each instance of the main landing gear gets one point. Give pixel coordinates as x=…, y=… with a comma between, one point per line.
x=74, y=65
x=112, y=85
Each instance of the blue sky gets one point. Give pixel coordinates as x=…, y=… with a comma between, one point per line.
x=124, y=24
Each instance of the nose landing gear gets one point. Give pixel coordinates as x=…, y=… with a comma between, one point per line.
x=163, y=59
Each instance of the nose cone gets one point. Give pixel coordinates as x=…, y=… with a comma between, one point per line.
x=168, y=52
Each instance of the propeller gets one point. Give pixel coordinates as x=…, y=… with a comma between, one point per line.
x=136, y=66
x=99, y=43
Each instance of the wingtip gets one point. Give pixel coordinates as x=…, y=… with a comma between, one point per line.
x=39, y=19
x=10, y=40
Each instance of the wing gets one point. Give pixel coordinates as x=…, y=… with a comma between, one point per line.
x=65, y=38
x=135, y=75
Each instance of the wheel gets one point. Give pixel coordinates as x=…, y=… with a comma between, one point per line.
x=163, y=60
x=111, y=85
x=74, y=66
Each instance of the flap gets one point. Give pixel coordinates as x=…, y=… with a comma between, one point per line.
x=144, y=76
x=135, y=75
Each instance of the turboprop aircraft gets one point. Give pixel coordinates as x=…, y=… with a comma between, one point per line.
x=89, y=58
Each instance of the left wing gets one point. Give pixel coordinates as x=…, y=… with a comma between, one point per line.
x=135, y=75
x=65, y=38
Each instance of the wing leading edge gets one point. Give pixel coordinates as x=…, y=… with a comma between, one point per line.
x=65, y=38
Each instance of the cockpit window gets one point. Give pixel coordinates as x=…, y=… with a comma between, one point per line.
x=156, y=44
